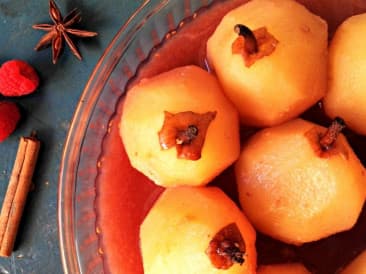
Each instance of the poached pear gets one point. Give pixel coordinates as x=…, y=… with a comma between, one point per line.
x=178, y=128
x=197, y=230
x=299, y=182
x=287, y=268
x=357, y=266
x=346, y=95
x=270, y=56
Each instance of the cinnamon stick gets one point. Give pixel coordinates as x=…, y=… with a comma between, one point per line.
x=16, y=194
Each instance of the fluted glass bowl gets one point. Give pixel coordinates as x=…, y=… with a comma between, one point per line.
x=77, y=183
x=145, y=30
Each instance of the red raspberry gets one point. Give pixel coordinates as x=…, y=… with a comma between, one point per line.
x=9, y=118
x=17, y=78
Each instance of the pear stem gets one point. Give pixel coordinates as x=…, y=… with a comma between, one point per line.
x=251, y=44
x=328, y=139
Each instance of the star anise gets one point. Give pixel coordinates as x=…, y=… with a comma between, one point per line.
x=59, y=32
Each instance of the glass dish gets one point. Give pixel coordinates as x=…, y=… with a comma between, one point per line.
x=153, y=22
x=78, y=172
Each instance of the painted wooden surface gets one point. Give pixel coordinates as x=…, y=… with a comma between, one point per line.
x=48, y=111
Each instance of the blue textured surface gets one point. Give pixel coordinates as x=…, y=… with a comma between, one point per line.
x=48, y=111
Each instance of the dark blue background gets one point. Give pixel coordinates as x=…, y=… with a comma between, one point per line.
x=49, y=111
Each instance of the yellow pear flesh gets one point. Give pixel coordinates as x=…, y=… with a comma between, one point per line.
x=357, y=266
x=289, y=268
x=184, y=89
x=178, y=229
x=346, y=96
x=284, y=84
x=293, y=191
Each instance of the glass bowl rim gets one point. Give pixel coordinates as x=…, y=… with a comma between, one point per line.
x=71, y=149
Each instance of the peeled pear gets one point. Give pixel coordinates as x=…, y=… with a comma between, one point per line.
x=346, y=95
x=299, y=182
x=178, y=128
x=288, y=74
x=288, y=268
x=357, y=266
x=197, y=230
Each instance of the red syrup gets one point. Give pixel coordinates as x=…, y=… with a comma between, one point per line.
x=125, y=195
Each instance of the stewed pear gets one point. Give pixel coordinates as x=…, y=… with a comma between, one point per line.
x=346, y=95
x=286, y=268
x=271, y=58
x=299, y=182
x=197, y=230
x=178, y=128
x=357, y=265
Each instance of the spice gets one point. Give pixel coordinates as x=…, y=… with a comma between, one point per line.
x=253, y=45
x=227, y=247
x=60, y=31
x=186, y=131
x=16, y=194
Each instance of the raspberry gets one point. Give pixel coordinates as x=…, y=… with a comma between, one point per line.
x=9, y=118
x=17, y=78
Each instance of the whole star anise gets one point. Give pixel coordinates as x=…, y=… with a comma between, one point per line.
x=59, y=32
